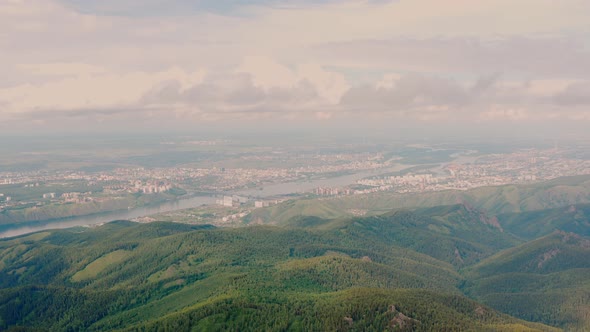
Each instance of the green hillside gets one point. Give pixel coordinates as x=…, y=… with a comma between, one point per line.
x=544, y=280
x=507, y=199
x=164, y=276
x=358, y=309
x=455, y=234
x=283, y=212
x=455, y=267
x=533, y=224
x=552, y=253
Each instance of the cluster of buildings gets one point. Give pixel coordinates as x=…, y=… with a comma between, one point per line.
x=138, y=186
x=231, y=201
x=328, y=191
x=69, y=197
x=236, y=201
x=213, y=179
x=77, y=197
x=5, y=198
x=490, y=170
x=410, y=180
x=4, y=201
x=267, y=203
x=494, y=169
x=150, y=187
x=234, y=217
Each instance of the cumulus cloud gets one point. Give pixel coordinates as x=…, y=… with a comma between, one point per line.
x=574, y=94
x=408, y=93
x=99, y=94
x=232, y=93
x=486, y=98
x=87, y=90
x=268, y=74
x=532, y=57
x=113, y=61
x=182, y=7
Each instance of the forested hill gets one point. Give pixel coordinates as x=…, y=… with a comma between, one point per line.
x=350, y=275
x=546, y=280
x=457, y=267
x=494, y=200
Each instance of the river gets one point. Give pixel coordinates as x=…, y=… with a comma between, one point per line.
x=35, y=226
x=277, y=189
x=298, y=187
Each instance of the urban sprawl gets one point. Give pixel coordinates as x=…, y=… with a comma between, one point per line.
x=464, y=172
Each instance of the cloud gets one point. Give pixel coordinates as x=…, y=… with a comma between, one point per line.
x=532, y=57
x=230, y=93
x=504, y=113
x=306, y=92
x=61, y=69
x=92, y=92
x=407, y=93
x=257, y=85
x=180, y=7
x=189, y=61
x=88, y=90
x=574, y=94
x=490, y=98
x=418, y=19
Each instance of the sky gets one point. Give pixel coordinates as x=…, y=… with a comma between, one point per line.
x=150, y=65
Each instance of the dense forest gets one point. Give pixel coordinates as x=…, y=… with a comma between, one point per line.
x=440, y=268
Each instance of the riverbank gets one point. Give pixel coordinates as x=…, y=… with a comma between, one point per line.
x=102, y=217
x=124, y=213
x=55, y=211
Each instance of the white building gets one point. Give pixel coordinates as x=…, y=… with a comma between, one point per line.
x=228, y=201
x=260, y=204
